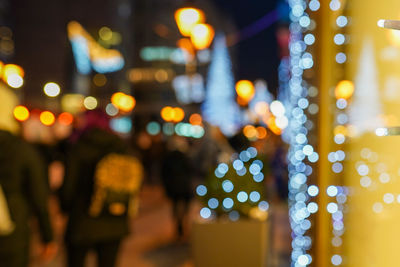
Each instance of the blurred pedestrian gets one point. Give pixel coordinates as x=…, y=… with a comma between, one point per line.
x=23, y=190
x=176, y=174
x=99, y=192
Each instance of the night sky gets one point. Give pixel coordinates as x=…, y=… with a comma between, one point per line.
x=42, y=46
x=257, y=55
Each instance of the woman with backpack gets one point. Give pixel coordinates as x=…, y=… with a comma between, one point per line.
x=100, y=186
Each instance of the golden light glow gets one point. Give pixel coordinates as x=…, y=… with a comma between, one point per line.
x=258, y=214
x=241, y=101
x=340, y=129
x=179, y=114
x=90, y=102
x=116, y=98
x=202, y=36
x=167, y=113
x=21, y=113
x=127, y=103
x=186, y=44
x=72, y=103
x=172, y=114
x=47, y=118
x=344, y=89
x=65, y=118
x=195, y=119
x=13, y=75
x=394, y=37
x=261, y=132
x=161, y=76
x=250, y=132
x=123, y=102
x=105, y=33
x=245, y=90
x=187, y=18
x=12, y=69
x=271, y=122
x=1, y=68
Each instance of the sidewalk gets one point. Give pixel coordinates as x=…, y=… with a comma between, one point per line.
x=152, y=241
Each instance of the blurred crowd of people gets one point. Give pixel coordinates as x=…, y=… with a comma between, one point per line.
x=98, y=181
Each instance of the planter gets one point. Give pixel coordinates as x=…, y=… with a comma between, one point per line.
x=230, y=244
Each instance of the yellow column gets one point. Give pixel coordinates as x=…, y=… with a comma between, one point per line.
x=325, y=59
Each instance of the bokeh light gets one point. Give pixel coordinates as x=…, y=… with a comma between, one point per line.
x=125, y=103
x=21, y=113
x=47, y=118
x=65, y=118
x=14, y=80
x=245, y=90
x=52, y=89
x=195, y=119
x=187, y=19
x=90, y=102
x=111, y=109
x=344, y=89
x=202, y=36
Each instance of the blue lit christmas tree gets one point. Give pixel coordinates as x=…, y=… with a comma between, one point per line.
x=220, y=108
x=261, y=95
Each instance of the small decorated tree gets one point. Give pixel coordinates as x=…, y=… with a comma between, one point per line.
x=235, y=189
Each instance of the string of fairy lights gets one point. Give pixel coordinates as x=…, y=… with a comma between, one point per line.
x=301, y=154
x=343, y=91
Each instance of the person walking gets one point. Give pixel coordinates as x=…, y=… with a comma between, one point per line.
x=176, y=174
x=99, y=192
x=23, y=191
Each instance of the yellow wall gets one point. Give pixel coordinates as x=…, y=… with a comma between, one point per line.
x=372, y=237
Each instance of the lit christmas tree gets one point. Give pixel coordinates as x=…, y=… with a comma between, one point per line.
x=366, y=107
x=261, y=95
x=235, y=190
x=220, y=108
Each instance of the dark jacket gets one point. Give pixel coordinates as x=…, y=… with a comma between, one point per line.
x=177, y=175
x=76, y=192
x=23, y=179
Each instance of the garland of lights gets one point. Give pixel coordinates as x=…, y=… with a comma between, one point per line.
x=300, y=150
x=296, y=136
x=342, y=92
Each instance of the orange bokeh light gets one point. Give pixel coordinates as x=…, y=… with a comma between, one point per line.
x=187, y=18
x=245, y=90
x=127, y=103
x=124, y=102
x=261, y=132
x=116, y=97
x=202, y=36
x=242, y=102
x=344, y=89
x=195, y=119
x=250, y=131
x=273, y=127
x=21, y=113
x=179, y=114
x=172, y=114
x=167, y=113
x=47, y=118
x=10, y=69
x=186, y=44
x=65, y=118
